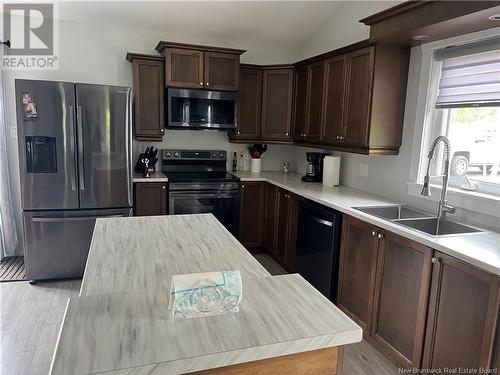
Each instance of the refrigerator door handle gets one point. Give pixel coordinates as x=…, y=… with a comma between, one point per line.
x=72, y=145
x=63, y=219
x=81, y=174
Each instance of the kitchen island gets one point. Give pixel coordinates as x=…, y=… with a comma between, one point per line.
x=120, y=323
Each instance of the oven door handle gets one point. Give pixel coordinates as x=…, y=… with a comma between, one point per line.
x=184, y=194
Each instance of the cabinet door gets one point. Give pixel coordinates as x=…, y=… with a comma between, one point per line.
x=463, y=309
x=277, y=103
x=150, y=199
x=315, y=101
x=358, y=258
x=184, y=68
x=358, y=99
x=281, y=227
x=270, y=218
x=300, y=121
x=333, y=114
x=291, y=241
x=401, y=296
x=249, y=103
x=222, y=71
x=148, y=82
x=252, y=200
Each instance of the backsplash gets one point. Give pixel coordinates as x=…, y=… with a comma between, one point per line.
x=272, y=160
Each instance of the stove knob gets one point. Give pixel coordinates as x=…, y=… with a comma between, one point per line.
x=221, y=155
x=168, y=154
x=176, y=154
x=213, y=155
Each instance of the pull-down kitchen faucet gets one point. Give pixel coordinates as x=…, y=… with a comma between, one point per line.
x=443, y=206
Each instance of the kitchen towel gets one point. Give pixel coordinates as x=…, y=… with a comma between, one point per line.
x=204, y=294
x=331, y=170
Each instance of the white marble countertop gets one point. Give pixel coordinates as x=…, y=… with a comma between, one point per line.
x=131, y=333
x=120, y=324
x=143, y=252
x=155, y=177
x=479, y=249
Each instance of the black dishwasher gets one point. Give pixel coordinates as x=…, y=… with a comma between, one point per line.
x=318, y=246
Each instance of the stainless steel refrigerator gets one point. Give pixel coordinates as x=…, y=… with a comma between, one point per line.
x=74, y=160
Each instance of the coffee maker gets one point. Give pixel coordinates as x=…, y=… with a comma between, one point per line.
x=314, y=168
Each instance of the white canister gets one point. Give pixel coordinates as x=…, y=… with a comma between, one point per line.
x=255, y=165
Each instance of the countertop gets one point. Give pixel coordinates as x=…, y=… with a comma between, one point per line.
x=155, y=177
x=119, y=324
x=479, y=249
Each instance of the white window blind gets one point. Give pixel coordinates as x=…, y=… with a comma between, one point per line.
x=470, y=75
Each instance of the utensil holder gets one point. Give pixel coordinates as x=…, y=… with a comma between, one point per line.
x=255, y=165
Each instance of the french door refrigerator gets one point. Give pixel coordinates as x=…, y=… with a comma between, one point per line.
x=74, y=160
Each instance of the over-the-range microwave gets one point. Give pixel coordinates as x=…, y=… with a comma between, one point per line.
x=201, y=109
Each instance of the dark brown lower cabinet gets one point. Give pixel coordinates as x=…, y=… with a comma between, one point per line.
x=401, y=296
x=270, y=218
x=252, y=214
x=421, y=311
x=463, y=312
x=358, y=262
x=150, y=198
x=286, y=233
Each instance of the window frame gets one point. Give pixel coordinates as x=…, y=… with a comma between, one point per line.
x=423, y=58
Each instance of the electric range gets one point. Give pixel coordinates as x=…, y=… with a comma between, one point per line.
x=199, y=183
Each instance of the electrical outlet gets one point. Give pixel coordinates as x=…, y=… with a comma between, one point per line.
x=363, y=170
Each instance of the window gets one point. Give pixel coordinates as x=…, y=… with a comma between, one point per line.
x=464, y=105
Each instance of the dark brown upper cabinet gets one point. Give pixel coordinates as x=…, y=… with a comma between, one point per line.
x=184, y=68
x=249, y=103
x=277, y=93
x=150, y=198
x=148, y=96
x=333, y=114
x=222, y=71
x=364, y=91
x=300, y=119
x=203, y=67
x=264, y=105
x=463, y=313
x=309, y=82
x=357, y=104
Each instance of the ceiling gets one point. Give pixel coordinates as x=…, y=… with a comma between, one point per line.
x=270, y=21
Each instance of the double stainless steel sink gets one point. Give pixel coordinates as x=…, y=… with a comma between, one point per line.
x=418, y=220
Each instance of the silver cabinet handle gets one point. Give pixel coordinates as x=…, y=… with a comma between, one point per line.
x=162, y=130
x=238, y=133
x=72, y=145
x=436, y=260
x=81, y=173
x=163, y=187
x=242, y=186
x=208, y=84
x=201, y=83
x=380, y=236
x=374, y=233
x=286, y=134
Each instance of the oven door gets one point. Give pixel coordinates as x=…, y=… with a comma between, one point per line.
x=224, y=205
